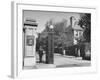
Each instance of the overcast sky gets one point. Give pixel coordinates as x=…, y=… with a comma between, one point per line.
x=43, y=16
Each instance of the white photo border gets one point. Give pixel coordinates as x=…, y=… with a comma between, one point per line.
x=17, y=23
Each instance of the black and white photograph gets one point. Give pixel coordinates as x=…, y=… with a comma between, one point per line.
x=50, y=40
x=55, y=39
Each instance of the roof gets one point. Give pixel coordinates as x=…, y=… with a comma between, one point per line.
x=77, y=27
x=30, y=22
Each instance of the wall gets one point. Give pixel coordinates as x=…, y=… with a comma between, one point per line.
x=5, y=38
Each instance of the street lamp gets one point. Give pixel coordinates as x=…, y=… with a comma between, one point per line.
x=50, y=48
x=51, y=27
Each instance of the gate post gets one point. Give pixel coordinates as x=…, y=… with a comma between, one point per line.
x=50, y=49
x=29, y=44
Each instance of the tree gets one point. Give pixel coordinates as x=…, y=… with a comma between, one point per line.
x=85, y=22
x=63, y=34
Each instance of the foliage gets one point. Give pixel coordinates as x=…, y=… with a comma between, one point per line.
x=86, y=22
x=63, y=34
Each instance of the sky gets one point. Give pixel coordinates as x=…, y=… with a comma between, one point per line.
x=42, y=17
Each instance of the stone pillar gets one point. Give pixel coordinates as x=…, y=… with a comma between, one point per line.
x=50, y=52
x=29, y=55
x=50, y=49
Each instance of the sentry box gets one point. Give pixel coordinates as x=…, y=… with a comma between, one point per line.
x=29, y=43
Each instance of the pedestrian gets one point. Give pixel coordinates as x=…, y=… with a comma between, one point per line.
x=40, y=54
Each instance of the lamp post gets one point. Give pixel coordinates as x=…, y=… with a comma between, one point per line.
x=50, y=46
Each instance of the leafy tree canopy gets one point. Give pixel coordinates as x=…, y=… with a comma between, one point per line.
x=85, y=22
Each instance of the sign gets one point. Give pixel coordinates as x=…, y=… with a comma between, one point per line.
x=30, y=40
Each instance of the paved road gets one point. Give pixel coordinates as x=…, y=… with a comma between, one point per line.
x=65, y=61
x=70, y=61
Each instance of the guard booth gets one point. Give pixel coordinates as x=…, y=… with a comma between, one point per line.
x=29, y=43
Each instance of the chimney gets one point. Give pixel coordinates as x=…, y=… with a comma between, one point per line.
x=72, y=20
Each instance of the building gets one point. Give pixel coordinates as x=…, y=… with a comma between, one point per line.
x=77, y=30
